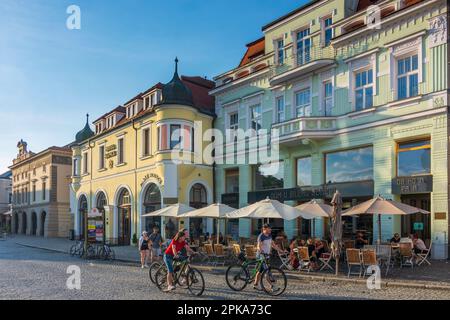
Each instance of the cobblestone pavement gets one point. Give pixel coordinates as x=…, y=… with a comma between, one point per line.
x=28, y=273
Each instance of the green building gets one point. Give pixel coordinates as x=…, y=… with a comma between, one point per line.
x=359, y=96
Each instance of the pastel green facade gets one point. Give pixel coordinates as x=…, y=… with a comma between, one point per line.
x=415, y=30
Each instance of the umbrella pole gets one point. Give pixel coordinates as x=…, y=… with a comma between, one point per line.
x=218, y=225
x=379, y=229
x=314, y=227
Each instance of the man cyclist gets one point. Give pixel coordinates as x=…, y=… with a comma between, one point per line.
x=263, y=248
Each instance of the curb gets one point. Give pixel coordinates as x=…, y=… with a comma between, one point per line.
x=291, y=275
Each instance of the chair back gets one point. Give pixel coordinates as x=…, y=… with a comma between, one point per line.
x=349, y=244
x=370, y=247
x=209, y=249
x=219, y=249
x=353, y=256
x=384, y=250
x=250, y=251
x=303, y=253
x=405, y=250
x=236, y=249
x=231, y=242
x=326, y=247
x=369, y=257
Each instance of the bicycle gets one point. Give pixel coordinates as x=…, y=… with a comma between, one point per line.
x=184, y=275
x=77, y=249
x=105, y=252
x=273, y=279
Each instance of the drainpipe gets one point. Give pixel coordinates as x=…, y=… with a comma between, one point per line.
x=91, y=146
x=135, y=178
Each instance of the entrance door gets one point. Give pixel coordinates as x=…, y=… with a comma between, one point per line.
x=124, y=225
x=419, y=224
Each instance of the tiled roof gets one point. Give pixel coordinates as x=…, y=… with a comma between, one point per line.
x=293, y=12
x=118, y=109
x=254, y=49
x=200, y=88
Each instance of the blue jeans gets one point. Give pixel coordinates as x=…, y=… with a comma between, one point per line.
x=168, y=260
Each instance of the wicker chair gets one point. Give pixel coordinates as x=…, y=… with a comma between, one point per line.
x=406, y=255
x=354, y=259
x=369, y=258
x=220, y=254
x=303, y=259
x=210, y=254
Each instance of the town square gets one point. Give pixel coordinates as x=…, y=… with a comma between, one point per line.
x=268, y=150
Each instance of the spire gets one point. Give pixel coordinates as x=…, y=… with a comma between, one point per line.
x=176, y=66
x=87, y=118
x=86, y=133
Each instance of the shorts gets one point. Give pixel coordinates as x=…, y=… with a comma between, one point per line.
x=263, y=265
x=168, y=260
x=156, y=252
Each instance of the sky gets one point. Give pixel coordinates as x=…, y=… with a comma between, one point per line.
x=50, y=76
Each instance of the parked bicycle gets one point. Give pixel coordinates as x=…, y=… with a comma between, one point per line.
x=77, y=249
x=273, y=280
x=105, y=252
x=184, y=276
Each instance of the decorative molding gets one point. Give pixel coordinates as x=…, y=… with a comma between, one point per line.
x=438, y=31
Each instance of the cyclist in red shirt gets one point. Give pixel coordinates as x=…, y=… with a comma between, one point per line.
x=173, y=251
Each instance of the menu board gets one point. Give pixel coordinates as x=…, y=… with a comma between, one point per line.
x=95, y=226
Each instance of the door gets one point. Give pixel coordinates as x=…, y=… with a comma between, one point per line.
x=124, y=225
x=419, y=224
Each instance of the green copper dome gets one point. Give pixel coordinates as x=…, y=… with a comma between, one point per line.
x=175, y=92
x=86, y=133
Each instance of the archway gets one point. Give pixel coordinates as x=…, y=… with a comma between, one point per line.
x=16, y=223
x=82, y=210
x=33, y=223
x=24, y=223
x=101, y=203
x=42, y=229
x=198, y=198
x=124, y=217
x=152, y=202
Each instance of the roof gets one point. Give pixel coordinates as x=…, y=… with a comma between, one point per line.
x=85, y=133
x=200, y=88
x=176, y=92
x=119, y=109
x=254, y=49
x=6, y=175
x=64, y=149
x=293, y=12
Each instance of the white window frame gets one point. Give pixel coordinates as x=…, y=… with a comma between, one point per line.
x=120, y=150
x=251, y=120
x=407, y=75
x=144, y=130
x=277, y=50
x=364, y=87
x=295, y=42
x=325, y=77
x=359, y=64
x=85, y=161
x=324, y=29
x=277, y=111
x=101, y=158
x=305, y=107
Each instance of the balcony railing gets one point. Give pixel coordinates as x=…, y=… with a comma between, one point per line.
x=306, y=127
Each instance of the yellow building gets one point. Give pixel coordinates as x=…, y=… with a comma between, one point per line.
x=126, y=169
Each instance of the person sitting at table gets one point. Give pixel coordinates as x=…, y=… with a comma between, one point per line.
x=293, y=258
x=360, y=242
x=419, y=245
x=312, y=254
x=320, y=248
x=395, y=239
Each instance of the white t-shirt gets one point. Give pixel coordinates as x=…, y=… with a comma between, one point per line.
x=265, y=246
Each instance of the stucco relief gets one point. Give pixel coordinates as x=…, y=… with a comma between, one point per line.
x=438, y=31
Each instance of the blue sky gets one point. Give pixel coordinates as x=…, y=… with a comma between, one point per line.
x=50, y=77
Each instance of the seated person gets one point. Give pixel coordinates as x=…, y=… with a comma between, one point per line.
x=312, y=253
x=395, y=239
x=360, y=242
x=419, y=245
x=293, y=258
x=320, y=248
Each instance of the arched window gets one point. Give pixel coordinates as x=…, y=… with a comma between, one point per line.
x=198, y=196
x=82, y=210
x=101, y=202
x=124, y=217
x=151, y=202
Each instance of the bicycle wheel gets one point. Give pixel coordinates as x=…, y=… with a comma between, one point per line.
x=73, y=250
x=273, y=281
x=90, y=252
x=112, y=254
x=195, y=282
x=102, y=253
x=154, y=267
x=161, y=278
x=237, y=277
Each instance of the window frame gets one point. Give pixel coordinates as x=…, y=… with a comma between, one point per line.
x=407, y=75
x=101, y=157
x=120, y=151
x=329, y=98
x=307, y=36
x=279, y=119
x=304, y=106
x=85, y=160
x=146, y=142
x=364, y=87
x=397, y=151
x=296, y=171
x=326, y=28
x=252, y=119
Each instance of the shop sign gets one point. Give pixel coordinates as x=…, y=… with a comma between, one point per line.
x=111, y=151
x=151, y=175
x=95, y=226
x=412, y=185
x=418, y=226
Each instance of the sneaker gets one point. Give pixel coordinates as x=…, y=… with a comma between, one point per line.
x=257, y=288
x=169, y=288
x=142, y=267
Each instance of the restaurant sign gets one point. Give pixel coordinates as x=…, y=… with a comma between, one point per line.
x=412, y=185
x=111, y=151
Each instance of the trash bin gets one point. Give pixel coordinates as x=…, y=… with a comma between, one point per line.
x=72, y=234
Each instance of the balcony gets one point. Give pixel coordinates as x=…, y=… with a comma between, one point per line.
x=306, y=127
x=311, y=59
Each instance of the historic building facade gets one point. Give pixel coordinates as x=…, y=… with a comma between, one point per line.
x=126, y=167
x=40, y=192
x=359, y=96
x=5, y=200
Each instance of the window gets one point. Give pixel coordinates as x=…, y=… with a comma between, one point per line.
x=232, y=181
x=280, y=51
x=413, y=158
x=146, y=142
x=328, y=30
x=349, y=165
x=303, y=47
x=408, y=77
x=303, y=103
x=255, y=117
x=44, y=190
x=147, y=102
x=175, y=136
x=363, y=90
x=158, y=133
x=75, y=167
x=234, y=124
x=34, y=193
x=269, y=176
x=328, y=97
x=101, y=157
x=85, y=163
x=120, y=151
x=279, y=101
x=304, y=172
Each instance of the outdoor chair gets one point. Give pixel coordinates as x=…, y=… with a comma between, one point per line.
x=423, y=257
x=303, y=258
x=210, y=254
x=349, y=244
x=406, y=255
x=354, y=259
x=384, y=256
x=326, y=257
x=285, y=261
x=250, y=252
x=369, y=258
x=220, y=254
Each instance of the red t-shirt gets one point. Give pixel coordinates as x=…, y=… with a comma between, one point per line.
x=178, y=246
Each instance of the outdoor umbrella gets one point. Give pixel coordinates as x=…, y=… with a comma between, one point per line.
x=381, y=206
x=269, y=209
x=336, y=227
x=217, y=211
x=173, y=210
x=318, y=209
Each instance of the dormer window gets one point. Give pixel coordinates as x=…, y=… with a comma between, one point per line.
x=99, y=127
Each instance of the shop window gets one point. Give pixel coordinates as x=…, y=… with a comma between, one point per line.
x=304, y=173
x=413, y=158
x=269, y=176
x=349, y=165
